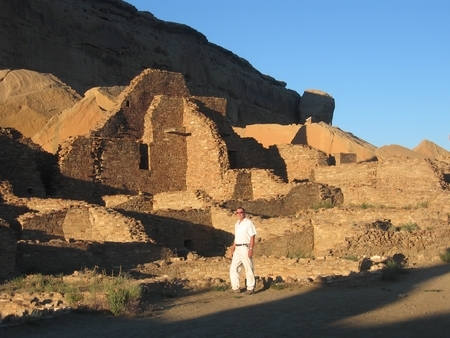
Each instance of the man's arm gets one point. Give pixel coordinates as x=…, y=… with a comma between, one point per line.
x=251, y=246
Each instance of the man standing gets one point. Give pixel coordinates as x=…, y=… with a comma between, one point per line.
x=242, y=252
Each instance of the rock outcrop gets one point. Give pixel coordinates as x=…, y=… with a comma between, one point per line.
x=29, y=99
x=96, y=43
x=316, y=105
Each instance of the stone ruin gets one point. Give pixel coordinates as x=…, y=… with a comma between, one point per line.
x=160, y=177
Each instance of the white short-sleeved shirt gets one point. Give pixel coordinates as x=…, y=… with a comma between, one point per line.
x=243, y=231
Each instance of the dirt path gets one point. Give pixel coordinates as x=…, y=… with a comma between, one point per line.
x=418, y=305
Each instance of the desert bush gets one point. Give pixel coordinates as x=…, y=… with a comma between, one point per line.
x=299, y=254
x=323, y=205
x=410, y=227
x=445, y=256
x=351, y=257
x=392, y=270
x=120, y=291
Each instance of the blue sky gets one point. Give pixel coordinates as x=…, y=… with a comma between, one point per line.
x=385, y=62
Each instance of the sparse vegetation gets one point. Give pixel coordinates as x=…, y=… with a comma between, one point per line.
x=299, y=254
x=423, y=204
x=119, y=290
x=410, y=227
x=221, y=287
x=445, y=256
x=277, y=286
x=392, y=270
x=367, y=206
x=323, y=205
x=351, y=258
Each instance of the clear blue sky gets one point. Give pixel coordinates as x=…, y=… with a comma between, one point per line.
x=385, y=62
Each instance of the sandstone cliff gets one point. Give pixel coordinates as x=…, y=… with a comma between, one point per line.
x=106, y=43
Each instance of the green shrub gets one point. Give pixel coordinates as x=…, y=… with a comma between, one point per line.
x=323, y=205
x=366, y=206
x=73, y=294
x=220, y=287
x=410, y=227
x=120, y=291
x=445, y=256
x=278, y=286
x=299, y=254
x=351, y=258
x=423, y=204
x=392, y=270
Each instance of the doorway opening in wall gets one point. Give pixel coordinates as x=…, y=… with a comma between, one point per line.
x=447, y=178
x=189, y=244
x=143, y=159
x=232, y=158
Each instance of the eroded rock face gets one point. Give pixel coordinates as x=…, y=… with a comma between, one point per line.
x=96, y=43
x=317, y=105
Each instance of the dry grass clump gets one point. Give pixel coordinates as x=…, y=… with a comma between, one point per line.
x=87, y=290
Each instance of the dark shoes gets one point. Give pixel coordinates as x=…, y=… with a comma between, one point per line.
x=250, y=292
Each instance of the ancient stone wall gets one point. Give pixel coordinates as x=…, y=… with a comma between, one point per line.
x=411, y=181
x=167, y=148
x=179, y=200
x=301, y=160
x=8, y=242
x=266, y=185
x=207, y=159
x=301, y=197
x=416, y=245
x=89, y=223
x=42, y=226
x=59, y=256
x=19, y=152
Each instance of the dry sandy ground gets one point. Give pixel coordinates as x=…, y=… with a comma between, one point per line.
x=417, y=305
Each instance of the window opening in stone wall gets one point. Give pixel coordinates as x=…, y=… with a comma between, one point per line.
x=127, y=103
x=143, y=160
x=189, y=244
x=232, y=158
x=447, y=178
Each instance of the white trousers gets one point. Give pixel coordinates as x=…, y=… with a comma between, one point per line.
x=240, y=258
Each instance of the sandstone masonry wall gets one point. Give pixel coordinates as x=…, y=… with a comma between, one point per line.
x=59, y=256
x=207, y=153
x=411, y=181
x=8, y=241
x=19, y=152
x=301, y=160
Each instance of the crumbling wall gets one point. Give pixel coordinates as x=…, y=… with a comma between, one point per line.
x=7, y=249
x=266, y=185
x=20, y=164
x=302, y=196
x=410, y=181
x=301, y=160
x=42, y=226
x=59, y=256
x=416, y=245
x=207, y=159
x=87, y=222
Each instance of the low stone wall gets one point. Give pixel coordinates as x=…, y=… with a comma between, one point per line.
x=199, y=268
x=59, y=256
x=417, y=245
